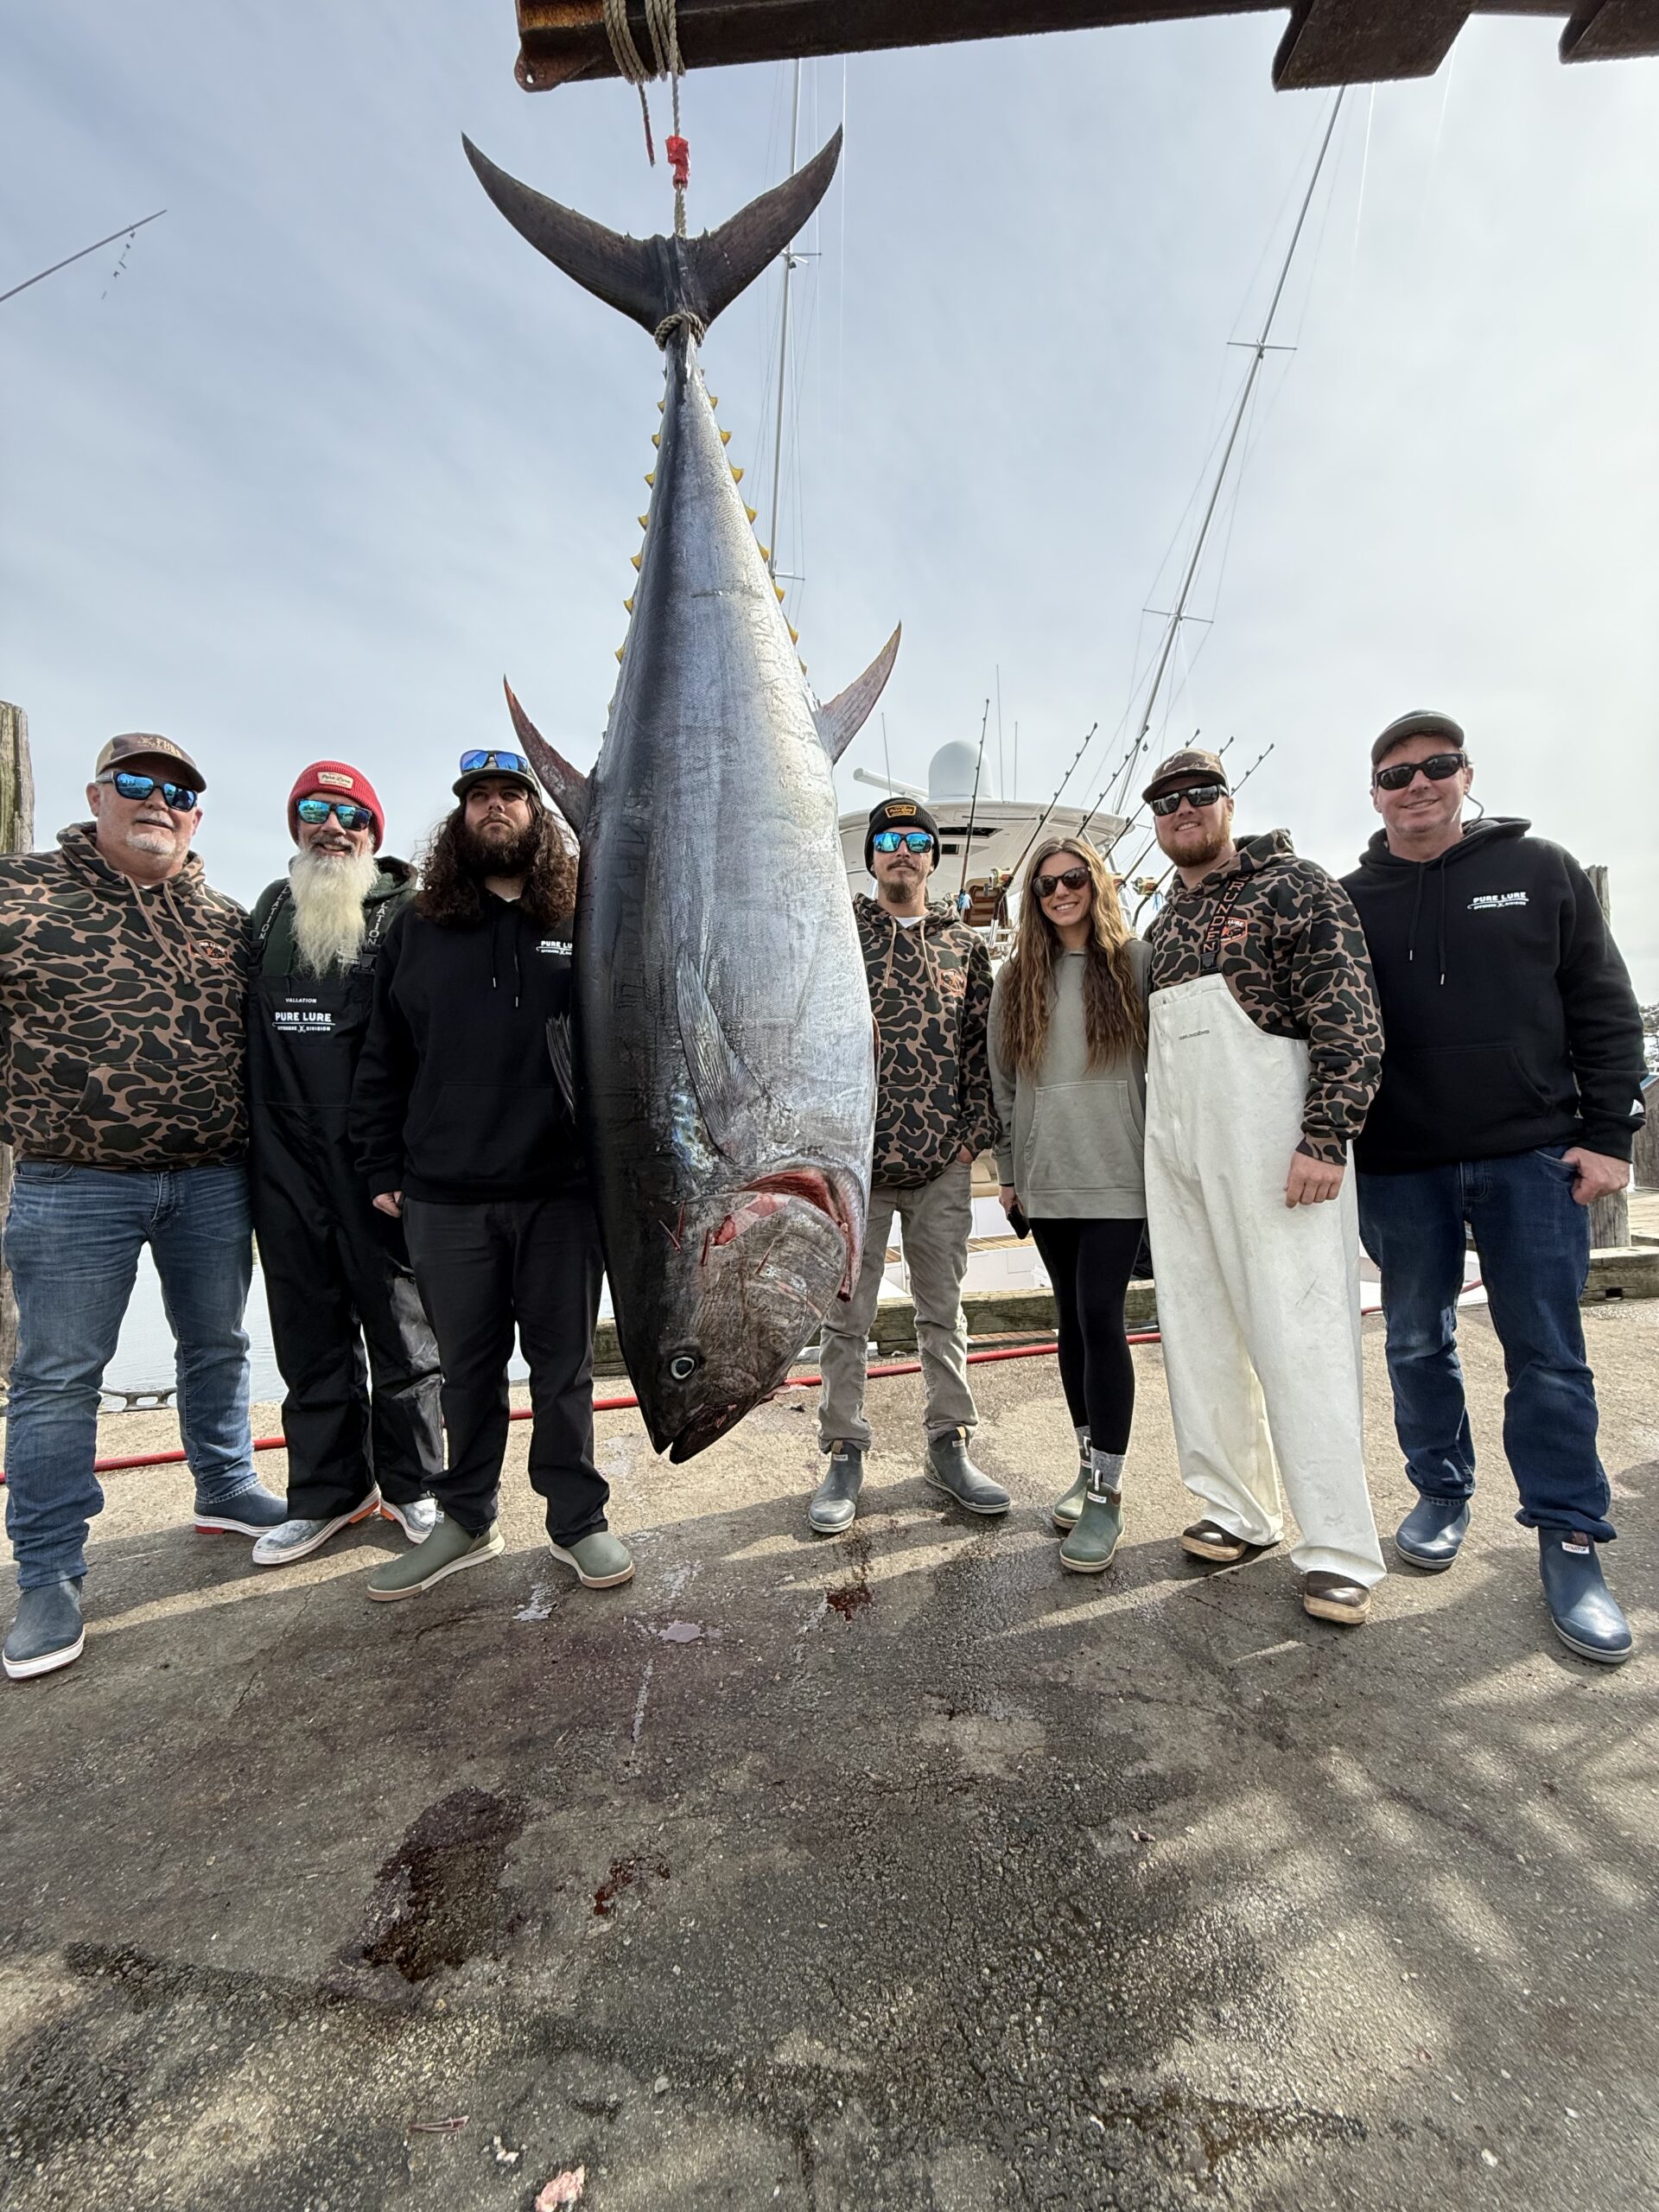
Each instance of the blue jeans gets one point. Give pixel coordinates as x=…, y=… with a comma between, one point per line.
x=71, y=1242
x=1534, y=1241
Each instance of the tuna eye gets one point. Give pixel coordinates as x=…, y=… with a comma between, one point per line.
x=683, y=1365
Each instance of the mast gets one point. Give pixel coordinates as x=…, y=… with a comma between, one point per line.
x=1259, y=352
x=783, y=346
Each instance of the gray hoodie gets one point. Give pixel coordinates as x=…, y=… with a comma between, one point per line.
x=1072, y=1136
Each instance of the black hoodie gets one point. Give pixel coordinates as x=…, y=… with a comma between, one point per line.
x=1507, y=1017
x=455, y=1099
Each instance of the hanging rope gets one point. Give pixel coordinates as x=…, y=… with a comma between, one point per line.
x=662, y=27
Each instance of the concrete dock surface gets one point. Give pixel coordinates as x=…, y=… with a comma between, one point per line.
x=896, y=1871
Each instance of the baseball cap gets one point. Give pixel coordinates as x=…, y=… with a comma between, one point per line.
x=899, y=814
x=1421, y=722
x=478, y=761
x=334, y=779
x=1190, y=764
x=144, y=744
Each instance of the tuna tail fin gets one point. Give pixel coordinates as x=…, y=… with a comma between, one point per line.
x=654, y=279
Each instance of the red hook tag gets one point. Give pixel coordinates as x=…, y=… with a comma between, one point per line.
x=679, y=161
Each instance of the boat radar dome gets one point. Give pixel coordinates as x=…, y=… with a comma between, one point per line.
x=950, y=776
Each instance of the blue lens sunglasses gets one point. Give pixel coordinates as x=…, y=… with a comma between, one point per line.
x=888, y=841
x=348, y=817
x=182, y=797
x=510, y=764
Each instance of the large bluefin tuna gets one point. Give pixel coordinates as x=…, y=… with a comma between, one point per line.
x=723, y=1050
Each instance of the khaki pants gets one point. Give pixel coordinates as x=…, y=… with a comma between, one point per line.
x=936, y=1222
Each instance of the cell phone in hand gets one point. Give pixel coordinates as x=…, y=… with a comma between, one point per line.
x=1017, y=1221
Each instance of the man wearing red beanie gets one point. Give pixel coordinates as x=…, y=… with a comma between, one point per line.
x=344, y=1310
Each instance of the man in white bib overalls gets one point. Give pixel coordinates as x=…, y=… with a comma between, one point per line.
x=1265, y=1050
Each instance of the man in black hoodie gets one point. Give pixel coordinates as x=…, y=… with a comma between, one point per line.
x=1509, y=1096
x=462, y=1129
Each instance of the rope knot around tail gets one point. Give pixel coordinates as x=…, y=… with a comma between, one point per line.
x=681, y=318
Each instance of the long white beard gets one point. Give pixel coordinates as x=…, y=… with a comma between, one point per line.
x=329, y=889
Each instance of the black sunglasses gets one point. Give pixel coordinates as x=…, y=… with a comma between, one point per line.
x=1072, y=877
x=348, y=817
x=182, y=797
x=1197, y=794
x=1437, y=768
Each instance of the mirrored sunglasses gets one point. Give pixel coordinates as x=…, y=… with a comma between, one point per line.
x=1073, y=878
x=916, y=841
x=510, y=764
x=348, y=817
x=1195, y=794
x=182, y=797
x=1437, y=768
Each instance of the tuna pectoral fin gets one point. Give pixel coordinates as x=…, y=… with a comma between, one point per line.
x=558, y=1051
x=566, y=786
x=651, y=279
x=840, y=721
x=730, y=1093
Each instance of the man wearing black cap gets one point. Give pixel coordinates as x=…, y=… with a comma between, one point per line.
x=929, y=979
x=462, y=1131
x=1264, y=1050
x=122, y=979
x=1509, y=1097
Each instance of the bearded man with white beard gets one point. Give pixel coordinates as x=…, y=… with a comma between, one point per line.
x=357, y=1356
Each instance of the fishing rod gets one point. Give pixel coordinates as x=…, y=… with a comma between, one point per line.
x=1089, y=739
x=1259, y=350
x=783, y=344
x=125, y=231
x=973, y=804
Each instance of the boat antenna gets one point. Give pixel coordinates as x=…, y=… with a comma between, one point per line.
x=1259, y=350
x=973, y=804
x=40, y=274
x=783, y=345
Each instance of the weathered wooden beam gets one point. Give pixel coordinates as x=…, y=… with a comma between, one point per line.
x=1357, y=43
x=1613, y=30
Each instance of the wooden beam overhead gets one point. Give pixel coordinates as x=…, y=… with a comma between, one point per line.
x=1617, y=30
x=1328, y=42
x=1357, y=43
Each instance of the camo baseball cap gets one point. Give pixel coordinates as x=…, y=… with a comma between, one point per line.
x=1189, y=766
x=144, y=744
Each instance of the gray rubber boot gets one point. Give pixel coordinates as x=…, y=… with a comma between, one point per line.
x=950, y=1469
x=1090, y=1548
x=835, y=1499
x=46, y=1633
x=1067, y=1511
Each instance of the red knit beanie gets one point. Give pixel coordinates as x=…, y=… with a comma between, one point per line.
x=333, y=779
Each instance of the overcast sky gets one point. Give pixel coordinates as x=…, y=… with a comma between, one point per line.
x=335, y=450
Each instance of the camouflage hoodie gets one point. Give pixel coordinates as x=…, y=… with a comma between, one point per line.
x=1293, y=955
x=121, y=1012
x=931, y=993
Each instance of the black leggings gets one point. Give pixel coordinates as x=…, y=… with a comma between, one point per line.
x=1089, y=1263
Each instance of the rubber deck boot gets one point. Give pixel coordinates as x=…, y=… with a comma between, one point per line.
x=298, y=1539
x=950, y=1469
x=1431, y=1536
x=447, y=1551
x=1066, y=1511
x=46, y=1633
x=601, y=1559
x=249, y=1513
x=1090, y=1548
x=832, y=1505
x=1588, y=1617
x=417, y=1519
x=1336, y=1597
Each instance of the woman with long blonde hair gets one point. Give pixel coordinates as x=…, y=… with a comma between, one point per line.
x=1068, y=1051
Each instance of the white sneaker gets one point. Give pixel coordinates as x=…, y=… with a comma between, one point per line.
x=416, y=1521
x=295, y=1540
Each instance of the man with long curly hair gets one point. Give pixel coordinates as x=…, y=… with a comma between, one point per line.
x=462, y=1130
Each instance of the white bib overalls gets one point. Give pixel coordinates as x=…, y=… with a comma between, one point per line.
x=1258, y=1302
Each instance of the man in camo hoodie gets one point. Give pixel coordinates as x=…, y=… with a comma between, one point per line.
x=929, y=979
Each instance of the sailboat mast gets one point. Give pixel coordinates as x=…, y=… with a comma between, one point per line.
x=783, y=346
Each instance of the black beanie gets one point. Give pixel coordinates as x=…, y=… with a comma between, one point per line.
x=899, y=814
